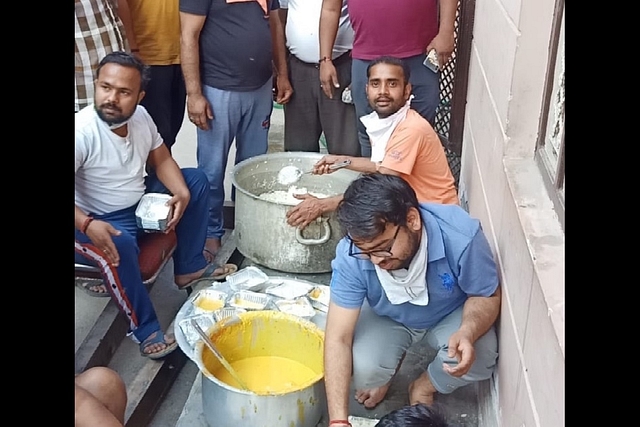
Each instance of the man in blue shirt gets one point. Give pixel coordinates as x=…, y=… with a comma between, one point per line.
x=407, y=272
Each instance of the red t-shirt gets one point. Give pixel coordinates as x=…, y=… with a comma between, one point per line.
x=400, y=28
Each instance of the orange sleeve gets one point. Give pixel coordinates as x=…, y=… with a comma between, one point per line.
x=403, y=149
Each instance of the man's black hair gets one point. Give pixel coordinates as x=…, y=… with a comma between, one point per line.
x=391, y=60
x=371, y=201
x=127, y=60
x=413, y=416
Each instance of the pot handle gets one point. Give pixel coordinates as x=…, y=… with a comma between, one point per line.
x=323, y=239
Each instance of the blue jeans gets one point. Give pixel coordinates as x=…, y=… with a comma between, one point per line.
x=243, y=116
x=125, y=281
x=425, y=89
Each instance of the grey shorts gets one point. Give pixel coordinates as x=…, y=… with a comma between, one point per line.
x=374, y=363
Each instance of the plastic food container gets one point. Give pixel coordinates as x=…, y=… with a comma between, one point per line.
x=153, y=213
x=289, y=290
x=300, y=307
x=249, y=278
x=362, y=422
x=320, y=297
x=227, y=312
x=249, y=300
x=204, y=320
x=209, y=300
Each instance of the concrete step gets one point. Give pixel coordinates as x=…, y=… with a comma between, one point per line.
x=101, y=341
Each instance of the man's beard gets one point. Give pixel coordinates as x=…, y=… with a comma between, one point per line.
x=115, y=120
x=414, y=242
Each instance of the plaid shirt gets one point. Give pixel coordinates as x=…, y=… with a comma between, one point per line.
x=99, y=31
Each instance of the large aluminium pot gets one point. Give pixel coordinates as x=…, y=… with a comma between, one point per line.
x=259, y=334
x=261, y=229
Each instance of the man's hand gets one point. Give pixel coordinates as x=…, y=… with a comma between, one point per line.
x=306, y=211
x=100, y=233
x=328, y=78
x=284, y=89
x=322, y=166
x=460, y=347
x=178, y=203
x=199, y=111
x=444, y=44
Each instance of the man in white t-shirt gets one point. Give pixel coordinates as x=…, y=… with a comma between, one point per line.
x=115, y=139
x=310, y=112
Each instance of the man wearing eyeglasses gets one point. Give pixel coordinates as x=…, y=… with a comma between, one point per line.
x=407, y=272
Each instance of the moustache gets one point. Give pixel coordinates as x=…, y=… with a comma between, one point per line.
x=110, y=106
x=383, y=99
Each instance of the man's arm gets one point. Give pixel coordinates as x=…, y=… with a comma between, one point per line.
x=99, y=232
x=329, y=20
x=278, y=45
x=125, y=16
x=358, y=164
x=170, y=175
x=311, y=208
x=478, y=314
x=338, y=357
x=444, y=41
x=167, y=170
x=199, y=110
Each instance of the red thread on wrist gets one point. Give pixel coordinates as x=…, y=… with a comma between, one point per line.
x=325, y=58
x=85, y=224
x=332, y=422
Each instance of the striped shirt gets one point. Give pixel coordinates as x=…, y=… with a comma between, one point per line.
x=99, y=31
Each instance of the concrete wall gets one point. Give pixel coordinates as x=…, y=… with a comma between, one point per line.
x=502, y=186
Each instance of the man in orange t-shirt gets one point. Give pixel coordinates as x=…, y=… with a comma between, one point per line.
x=415, y=153
x=403, y=143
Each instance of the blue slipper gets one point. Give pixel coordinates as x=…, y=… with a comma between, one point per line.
x=157, y=337
x=208, y=274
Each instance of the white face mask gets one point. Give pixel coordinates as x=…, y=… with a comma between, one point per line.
x=408, y=285
x=119, y=125
x=380, y=130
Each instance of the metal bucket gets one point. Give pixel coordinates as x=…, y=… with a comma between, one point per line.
x=261, y=229
x=263, y=333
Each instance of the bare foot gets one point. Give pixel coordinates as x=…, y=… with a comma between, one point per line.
x=98, y=288
x=371, y=397
x=421, y=390
x=94, y=288
x=184, y=279
x=211, y=248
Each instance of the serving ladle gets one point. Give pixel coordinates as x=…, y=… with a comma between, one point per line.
x=291, y=174
x=216, y=352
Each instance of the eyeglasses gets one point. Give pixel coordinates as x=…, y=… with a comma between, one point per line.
x=382, y=253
